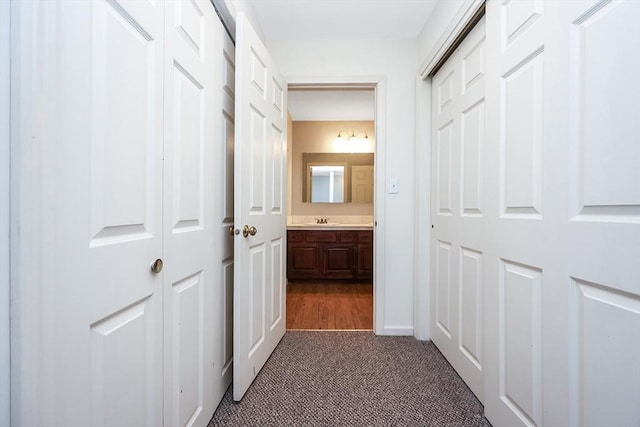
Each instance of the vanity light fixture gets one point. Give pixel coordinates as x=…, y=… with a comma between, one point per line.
x=352, y=142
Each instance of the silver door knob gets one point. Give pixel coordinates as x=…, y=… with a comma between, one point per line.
x=157, y=265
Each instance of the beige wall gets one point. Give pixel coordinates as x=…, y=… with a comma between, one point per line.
x=318, y=137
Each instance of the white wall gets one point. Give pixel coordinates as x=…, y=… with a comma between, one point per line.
x=244, y=6
x=5, y=369
x=437, y=26
x=396, y=62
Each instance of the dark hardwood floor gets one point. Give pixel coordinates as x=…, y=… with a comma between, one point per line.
x=329, y=305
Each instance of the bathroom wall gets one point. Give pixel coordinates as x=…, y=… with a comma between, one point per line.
x=318, y=137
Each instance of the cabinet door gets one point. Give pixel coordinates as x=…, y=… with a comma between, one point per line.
x=339, y=260
x=365, y=260
x=303, y=261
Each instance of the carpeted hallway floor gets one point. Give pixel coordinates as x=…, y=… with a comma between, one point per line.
x=353, y=379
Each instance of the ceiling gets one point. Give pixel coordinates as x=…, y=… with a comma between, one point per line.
x=338, y=19
x=341, y=19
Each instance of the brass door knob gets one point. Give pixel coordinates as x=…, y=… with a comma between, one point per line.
x=246, y=231
x=157, y=265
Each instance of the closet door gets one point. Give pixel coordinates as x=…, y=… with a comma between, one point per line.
x=191, y=276
x=115, y=139
x=224, y=217
x=89, y=143
x=458, y=208
x=563, y=212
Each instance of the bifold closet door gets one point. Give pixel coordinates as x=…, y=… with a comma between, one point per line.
x=458, y=115
x=114, y=139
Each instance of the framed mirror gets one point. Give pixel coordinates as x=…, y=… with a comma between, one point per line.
x=337, y=177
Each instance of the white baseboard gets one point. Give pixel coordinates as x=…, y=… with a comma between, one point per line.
x=396, y=331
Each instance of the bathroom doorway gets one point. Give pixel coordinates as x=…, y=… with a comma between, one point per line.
x=331, y=152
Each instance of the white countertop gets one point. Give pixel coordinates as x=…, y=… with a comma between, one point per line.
x=330, y=226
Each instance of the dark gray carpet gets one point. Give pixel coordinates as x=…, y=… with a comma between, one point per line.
x=353, y=379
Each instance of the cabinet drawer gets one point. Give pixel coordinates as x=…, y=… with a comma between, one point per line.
x=321, y=236
x=294, y=236
x=346, y=236
x=365, y=236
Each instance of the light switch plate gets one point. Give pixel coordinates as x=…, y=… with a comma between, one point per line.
x=393, y=186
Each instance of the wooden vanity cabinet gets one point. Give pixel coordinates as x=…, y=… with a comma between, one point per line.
x=329, y=254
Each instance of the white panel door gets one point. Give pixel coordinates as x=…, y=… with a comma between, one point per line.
x=124, y=137
x=457, y=208
x=563, y=213
x=260, y=179
x=596, y=65
x=5, y=118
x=102, y=328
x=193, y=37
x=518, y=224
x=224, y=216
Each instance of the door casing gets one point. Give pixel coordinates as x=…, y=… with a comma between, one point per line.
x=378, y=84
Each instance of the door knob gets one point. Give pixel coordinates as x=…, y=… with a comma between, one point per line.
x=246, y=230
x=157, y=265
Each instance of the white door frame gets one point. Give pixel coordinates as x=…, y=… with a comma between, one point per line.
x=378, y=84
x=422, y=225
x=5, y=206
